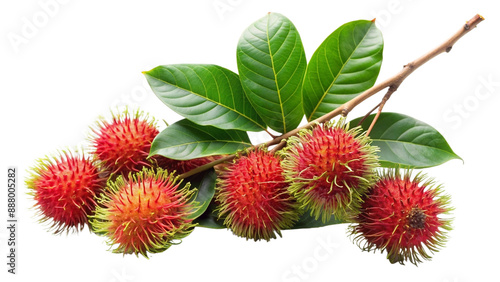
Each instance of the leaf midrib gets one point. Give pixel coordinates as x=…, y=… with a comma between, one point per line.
x=338, y=74
x=206, y=98
x=407, y=142
x=278, y=90
x=208, y=141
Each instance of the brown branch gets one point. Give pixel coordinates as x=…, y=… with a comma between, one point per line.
x=380, y=108
x=393, y=83
x=280, y=146
x=368, y=114
x=270, y=134
x=206, y=166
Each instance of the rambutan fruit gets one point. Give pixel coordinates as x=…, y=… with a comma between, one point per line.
x=404, y=217
x=146, y=212
x=64, y=189
x=252, y=196
x=329, y=168
x=123, y=144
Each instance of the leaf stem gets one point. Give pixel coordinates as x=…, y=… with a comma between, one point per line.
x=392, y=82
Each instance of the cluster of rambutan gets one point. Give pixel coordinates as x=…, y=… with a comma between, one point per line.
x=142, y=207
x=117, y=191
x=332, y=171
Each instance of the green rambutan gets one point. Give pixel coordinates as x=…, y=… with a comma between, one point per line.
x=328, y=168
x=123, y=144
x=64, y=189
x=403, y=216
x=146, y=212
x=252, y=196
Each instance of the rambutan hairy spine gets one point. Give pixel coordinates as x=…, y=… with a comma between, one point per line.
x=252, y=196
x=122, y=145
x=329, y=167
x=65, y=188
x=404, y=217
x=147, y=212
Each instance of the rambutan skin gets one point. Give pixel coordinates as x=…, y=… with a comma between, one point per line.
x=146, y=212
x=329, y=168
x=252, y=196
x=64, y=189
x=123, y=144
x=404, y=217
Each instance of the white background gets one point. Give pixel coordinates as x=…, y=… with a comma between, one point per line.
x=62, y=65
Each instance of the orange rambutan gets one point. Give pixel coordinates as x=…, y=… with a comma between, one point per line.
x=146, y=212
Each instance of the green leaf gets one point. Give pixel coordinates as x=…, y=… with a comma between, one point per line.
x=205, y=183
x=205, y=94
x=308, y=221
x=185, y=140
x=344, y=65
x=209, y=219
x=272, y=64
x=406, y=142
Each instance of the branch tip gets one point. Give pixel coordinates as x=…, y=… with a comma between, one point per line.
x=473, y=22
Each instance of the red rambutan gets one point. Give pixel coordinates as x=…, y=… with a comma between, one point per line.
x=64, y=190
x=123, y=144
x=253, y=198
x=403, y=216
x=329, y=168
x=145, y=213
